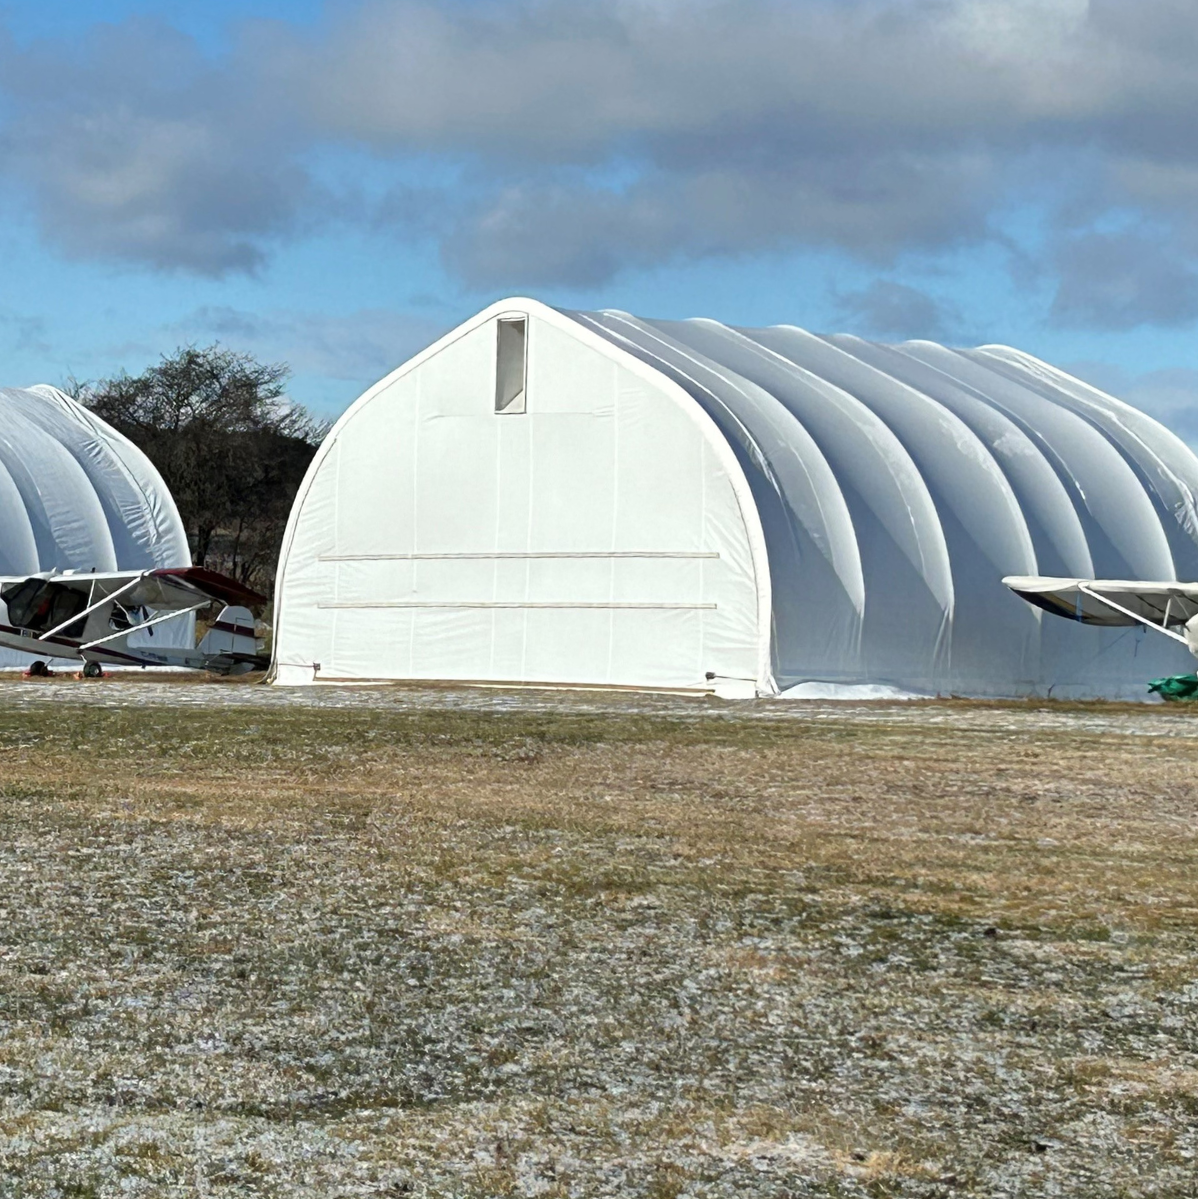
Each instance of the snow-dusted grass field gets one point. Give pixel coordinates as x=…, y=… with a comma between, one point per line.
x=481, y=944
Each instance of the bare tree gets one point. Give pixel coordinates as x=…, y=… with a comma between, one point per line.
x=231, y=447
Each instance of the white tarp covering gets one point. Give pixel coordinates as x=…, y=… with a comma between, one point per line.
x=682, y=504
x=76, y=495
x=604, y=536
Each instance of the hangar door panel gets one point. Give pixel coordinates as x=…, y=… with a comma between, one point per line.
x=592, y=538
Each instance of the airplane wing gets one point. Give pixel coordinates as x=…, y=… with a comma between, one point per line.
x=1110, y=602
x=181, y=587
x=164, y=589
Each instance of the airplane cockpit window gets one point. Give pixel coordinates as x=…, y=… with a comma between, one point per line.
x=39, y=605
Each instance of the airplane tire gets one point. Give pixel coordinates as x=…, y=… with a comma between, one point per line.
x=38, y=670
x=92, y=670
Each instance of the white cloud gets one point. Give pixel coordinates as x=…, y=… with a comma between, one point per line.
x=626, y=133
x=134, y=148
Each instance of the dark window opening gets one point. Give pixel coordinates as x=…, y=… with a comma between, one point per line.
x=40, y=606
x=510, y=362
x=122, y=618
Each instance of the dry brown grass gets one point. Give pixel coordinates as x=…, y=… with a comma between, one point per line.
x=297, y=951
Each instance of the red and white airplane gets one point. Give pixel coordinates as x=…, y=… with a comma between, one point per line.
x=91, y=616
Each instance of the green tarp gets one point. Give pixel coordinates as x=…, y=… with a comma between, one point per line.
x=1176, y=686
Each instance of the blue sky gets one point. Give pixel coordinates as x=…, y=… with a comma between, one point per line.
x=334, y=184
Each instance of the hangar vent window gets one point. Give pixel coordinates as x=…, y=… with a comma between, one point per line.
x=510, y=361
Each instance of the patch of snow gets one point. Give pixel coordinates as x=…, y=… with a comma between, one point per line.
x=848, y=691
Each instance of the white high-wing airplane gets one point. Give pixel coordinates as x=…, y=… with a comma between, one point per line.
x=92, y=616
x=1168, y=608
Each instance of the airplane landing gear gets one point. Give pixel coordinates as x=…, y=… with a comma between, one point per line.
x=92, y=670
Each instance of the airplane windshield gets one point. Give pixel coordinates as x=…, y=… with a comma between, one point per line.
x=39, y=605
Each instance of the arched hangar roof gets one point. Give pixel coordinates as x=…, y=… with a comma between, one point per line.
x=77, y=495
x=917, y=476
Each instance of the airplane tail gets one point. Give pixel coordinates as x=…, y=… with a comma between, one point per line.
x=231, y=633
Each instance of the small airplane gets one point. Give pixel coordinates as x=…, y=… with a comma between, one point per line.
x=91, y=616
x=1168, y=608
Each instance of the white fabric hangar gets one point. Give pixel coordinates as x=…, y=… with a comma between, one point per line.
x=549, y=497
x=77, y=495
